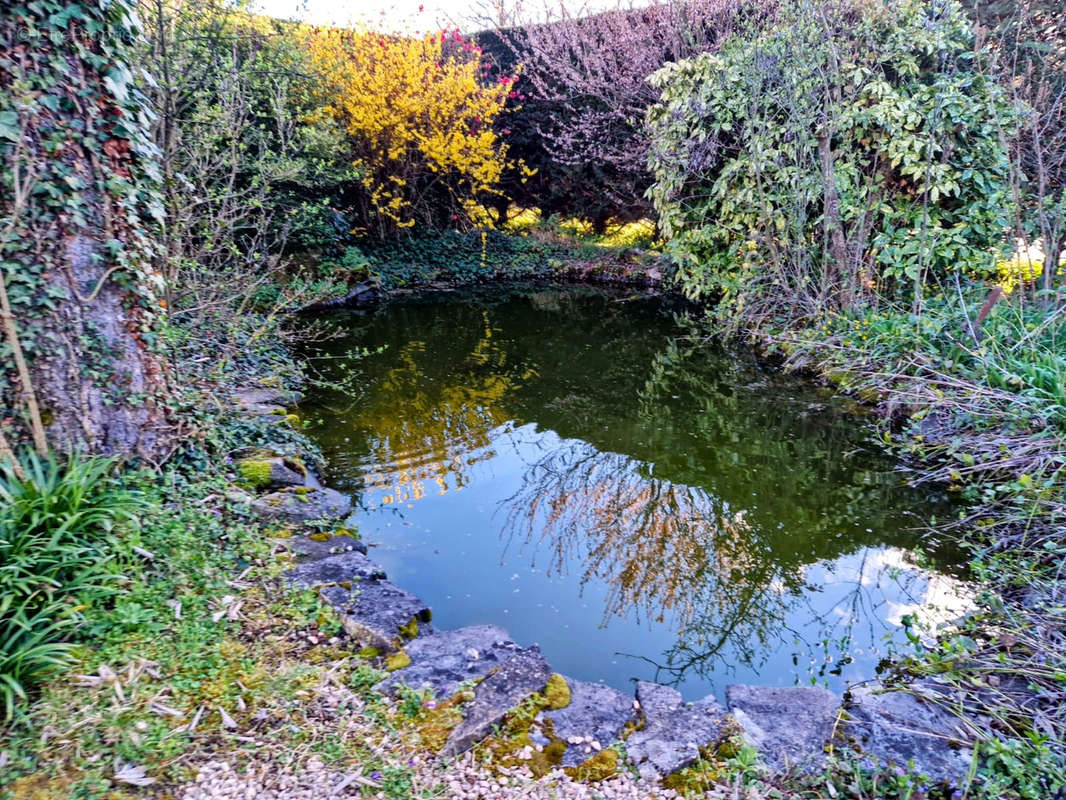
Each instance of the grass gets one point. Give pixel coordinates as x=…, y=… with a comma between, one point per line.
x=61, y=540
x=980, y=408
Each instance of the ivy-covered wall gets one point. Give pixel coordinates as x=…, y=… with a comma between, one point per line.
x=80, y=210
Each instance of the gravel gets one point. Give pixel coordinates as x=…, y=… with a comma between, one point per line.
x=462, y=779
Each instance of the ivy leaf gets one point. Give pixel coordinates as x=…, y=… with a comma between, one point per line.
x=117, y=81
x=9, y=125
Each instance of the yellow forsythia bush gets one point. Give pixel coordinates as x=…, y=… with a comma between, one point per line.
x=419, y=115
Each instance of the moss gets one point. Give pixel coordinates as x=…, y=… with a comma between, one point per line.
x=507, y=752
x=255, y=472
x=369, y=653
x=633, y=726
x=696, y=780
x=293, y=420
x=397, y=660
x=438, y=723
x=557, y=692
x=710, y=770
x=554, y=751
x=410, y=630
x=598, y=767
x=320, y=537
x=513, y=745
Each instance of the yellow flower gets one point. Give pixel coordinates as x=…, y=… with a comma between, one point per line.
x=413, y=108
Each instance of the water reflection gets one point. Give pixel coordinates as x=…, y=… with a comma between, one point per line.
x=423, y=430
x=684, y=507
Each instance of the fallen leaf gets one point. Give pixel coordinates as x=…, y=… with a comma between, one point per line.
x=132, y=774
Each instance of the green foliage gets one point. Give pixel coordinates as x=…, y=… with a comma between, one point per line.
x=843, y=150
x=464, y=256
x=58, y=533
x=1023, y=768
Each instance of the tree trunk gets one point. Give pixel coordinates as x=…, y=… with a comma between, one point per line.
x=77, y=261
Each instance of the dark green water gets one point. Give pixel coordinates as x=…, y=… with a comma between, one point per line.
x=580, y=468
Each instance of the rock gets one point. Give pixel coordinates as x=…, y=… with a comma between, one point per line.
x=320, y=546
x=897, y=727
x=520, y=676
x=302, y=504
x=272, y=471
x=364, y=295
x=790, y=726
x=343, y=568
x=261, y=400
x=444, y=660
x=673, y=734
x=656, y=699
x=596, y=714
x=379, y=613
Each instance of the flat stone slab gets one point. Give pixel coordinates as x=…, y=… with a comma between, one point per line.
x=897, y=727
x=596, y=717
x=520, y=676
x=375, y=611
x=343, y=568
x=311, y=547
x=789, y=726
x=302, y=504
x=654, y=699
x=256, y=400
x=673, y=732
x=444, y=660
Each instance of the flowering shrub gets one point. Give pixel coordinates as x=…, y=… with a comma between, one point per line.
x=419, y=115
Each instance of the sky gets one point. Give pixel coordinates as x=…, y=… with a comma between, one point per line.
x=398, y=14
x=413, y=15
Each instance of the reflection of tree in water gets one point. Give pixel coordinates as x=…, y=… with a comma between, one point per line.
x=674, y=553
x=423, y=426
x=667, y=552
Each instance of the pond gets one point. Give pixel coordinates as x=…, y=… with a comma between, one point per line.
x=584, y=469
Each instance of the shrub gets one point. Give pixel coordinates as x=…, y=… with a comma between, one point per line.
x=419, y=117
x=586, y=80
x=57, y=530
x=849, y=149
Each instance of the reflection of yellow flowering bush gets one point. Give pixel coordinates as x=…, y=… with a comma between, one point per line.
x=419, y=115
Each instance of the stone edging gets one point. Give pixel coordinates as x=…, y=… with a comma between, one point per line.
x=793, y=728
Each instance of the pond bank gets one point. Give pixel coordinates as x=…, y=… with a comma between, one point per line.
x=1000, y=642
x=247, y=673
x=791, y=728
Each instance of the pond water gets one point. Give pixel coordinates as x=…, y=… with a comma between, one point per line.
x=583, y=469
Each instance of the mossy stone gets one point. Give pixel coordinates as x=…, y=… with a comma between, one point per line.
x=397, y=660
x=598, y=767
x=410, y=630
x=557, y=692
x=255, y=472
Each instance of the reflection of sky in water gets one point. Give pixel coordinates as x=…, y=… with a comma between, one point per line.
x=835, y=622
x=641, y=508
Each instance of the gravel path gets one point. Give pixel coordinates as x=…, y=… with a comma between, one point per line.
x=462, y=779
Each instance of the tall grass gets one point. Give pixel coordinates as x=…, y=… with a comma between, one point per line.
x=58, y=531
